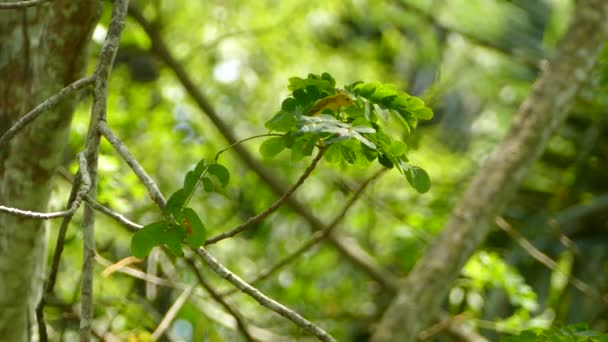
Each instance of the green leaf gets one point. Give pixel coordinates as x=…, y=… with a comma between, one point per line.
x=333, y=154
x=364, y=140
x=207, y=184
x=282, y=121
x=172, y=237
x=220, y=172
x=157, y=234
x=196, y=233
x=288, y=105
x=385, y=161
x=349, y=154
x=329, y=79
x=147, y=238
x=190, y=181
x=296, y=83
x=385, y=94
x=398, y=147
x=176, y=203
x=272, y=146
x=418, y=178
x=424, y=113
x=366, y=89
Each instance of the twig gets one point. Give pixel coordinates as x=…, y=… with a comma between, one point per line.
x=139, y=171
x=255, y=219
x=261, y=298
x=530, y=62
x=98, y=114
x=22, y=4
x=44, y=106
x=172, y=312
x=102, y=208
x=50, y=282
x=79, y=192
x=218, y=298
x=112, y=214
x=316, y=237
x=135, y=273
x=544, y=259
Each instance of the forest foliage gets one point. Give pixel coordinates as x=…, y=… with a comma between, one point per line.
x=442, y=82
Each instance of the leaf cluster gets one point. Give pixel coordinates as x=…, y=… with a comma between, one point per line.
x=181, y=224
x=353, y=133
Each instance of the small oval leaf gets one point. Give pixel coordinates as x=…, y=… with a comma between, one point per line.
x=418, y=178
x=220, y=172
x=147, y=238
x=271, y=147
x=196, y=234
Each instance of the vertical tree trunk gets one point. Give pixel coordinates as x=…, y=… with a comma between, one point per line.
x=545, y=109
x=42, y=49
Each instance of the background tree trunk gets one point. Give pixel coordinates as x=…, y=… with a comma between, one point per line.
x=42, y=49
x=545, y=109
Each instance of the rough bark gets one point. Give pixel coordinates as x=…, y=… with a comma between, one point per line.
x=545, y=109
x=42, y=49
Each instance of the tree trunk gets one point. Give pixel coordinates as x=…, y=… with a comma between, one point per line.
x=545, y=109
x=42, y=49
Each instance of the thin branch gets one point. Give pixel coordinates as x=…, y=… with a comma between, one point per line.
x=44, y=106
x=114, y=215
x=98, y=114
x=34, y=214
x=347, y=247
x=172, y=312
x=80, y=191
x=261, y=298
x=405, y=5
x=255, y=219
x=139, y=171
x=139, y=274
x=50, y=282
x=317, y=237
x=218, y=298
x=102, y=208
x=545, y=259
x=21, y=4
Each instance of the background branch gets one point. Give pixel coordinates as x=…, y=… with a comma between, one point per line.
x=466, y=228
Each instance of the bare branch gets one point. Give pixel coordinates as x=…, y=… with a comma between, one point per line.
x=112, y=214
x=544, y=258
x=72, y=207
x=317, y=237
x=405, y=5
x=139, y=274
x=98, y=114
x=44, y=106
x=218, y=298
x=261, y=298
x=172, y=312
x=102, y=208
x=139, y=171
x=255, y=219
x=22, y=4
